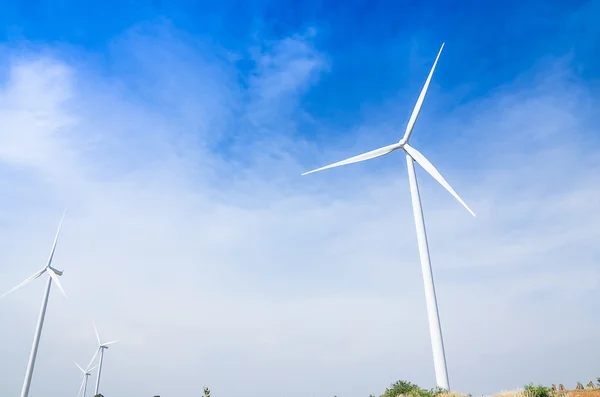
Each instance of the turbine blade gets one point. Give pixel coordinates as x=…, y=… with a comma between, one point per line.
x=419, y=104
x=27, y=281
x=57, y=281
x=56, y=239
x=361, y=157
x=97, y=335
x=81, y=369
x=81, y=387
x=419, y=158
x=109, y=343
x=89, y=369
x=94, y=357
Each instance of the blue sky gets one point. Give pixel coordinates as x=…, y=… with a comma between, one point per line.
x=176, y=134
x=490, y=45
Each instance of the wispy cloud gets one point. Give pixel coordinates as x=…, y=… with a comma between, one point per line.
x=193, y=239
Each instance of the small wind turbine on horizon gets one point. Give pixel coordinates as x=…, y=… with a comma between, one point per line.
x=86, y=373
x=412, y=155
x=53, y=274
x=100, y=349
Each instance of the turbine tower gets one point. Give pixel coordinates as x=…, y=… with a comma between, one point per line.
x=86, y=373
x=412, y=155
x=53, y=276
x=101, y=348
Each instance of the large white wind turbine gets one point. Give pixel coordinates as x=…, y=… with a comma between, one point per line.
x=101, y=348
x=86, y=373
x=53, y=276
x=412, y=155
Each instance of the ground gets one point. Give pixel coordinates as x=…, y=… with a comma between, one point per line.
x=520, y=393
x=585, y=393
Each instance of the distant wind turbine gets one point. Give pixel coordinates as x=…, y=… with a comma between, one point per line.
x=54, y=274
x=101, y=348
x=86, y=373
x=412, y=155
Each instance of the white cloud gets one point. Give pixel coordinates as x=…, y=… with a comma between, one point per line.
x=31, y=103
x=236, y=273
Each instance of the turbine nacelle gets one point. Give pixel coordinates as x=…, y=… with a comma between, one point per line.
x=56, y=271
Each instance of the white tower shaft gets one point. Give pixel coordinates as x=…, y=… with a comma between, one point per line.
x=85, y=384
x=435, y=328
x=99, y=370
x=36, y=341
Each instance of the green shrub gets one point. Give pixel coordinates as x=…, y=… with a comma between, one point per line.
x=537, y=391
x=400, y=387
x=206, y=392
x=410, y=390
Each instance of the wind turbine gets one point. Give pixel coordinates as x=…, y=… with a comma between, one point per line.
x=86, y=373
x=412, y=155
x=54, y=274
x=101, y=348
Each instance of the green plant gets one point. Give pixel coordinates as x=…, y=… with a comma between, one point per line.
x=206, y=392
x=408, y=389
x=537, y=391
x=598, y=381
x=439, y=390
x=399, y=387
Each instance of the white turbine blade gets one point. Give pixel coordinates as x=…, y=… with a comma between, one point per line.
x=56, y=239
x=361, y=157
x=419, y=158
x=30, y=279
x=81, y=387
x=57, y=281
x=109, y=343
x=90, y=369
x=81, y=369
x=94, y=357
x=419, y=104
x=96, y=331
